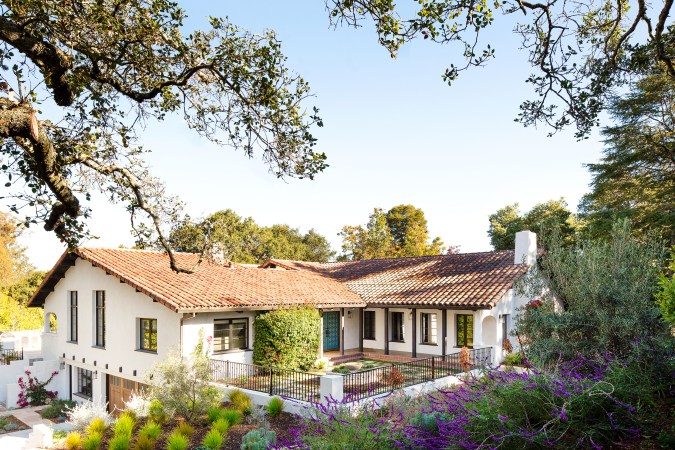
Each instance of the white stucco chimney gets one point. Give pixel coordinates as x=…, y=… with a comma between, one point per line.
x=526, y=248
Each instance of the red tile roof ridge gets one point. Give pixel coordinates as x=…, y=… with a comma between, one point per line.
x=393, y=258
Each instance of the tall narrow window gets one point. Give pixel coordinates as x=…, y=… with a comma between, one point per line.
x=397, y=333
x=148, y=335
x=369, y=325
x=99, y=338
x=230, y=334
x=464, y=330
x=429, y=327
x=505, y=327
x=84, y=383
x=72, y=300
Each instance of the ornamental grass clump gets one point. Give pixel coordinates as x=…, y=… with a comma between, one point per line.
x=240, y=401
x=150, y=430
x=275, y=406
x=144, y=443
x=176, y=442
x=213, y=440
x=120, y=442
x=232, y=416
x=92, y=441
x=185, y=429
x=214, y=413
x=221, y=425
x=97, y=425
x=73, y=441
x=124, y=425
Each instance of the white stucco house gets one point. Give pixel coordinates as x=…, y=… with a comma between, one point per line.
x=119, y=311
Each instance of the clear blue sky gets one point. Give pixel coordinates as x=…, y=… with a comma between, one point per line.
x=394, y=133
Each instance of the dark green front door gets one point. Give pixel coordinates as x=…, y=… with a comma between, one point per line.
x=331, y=331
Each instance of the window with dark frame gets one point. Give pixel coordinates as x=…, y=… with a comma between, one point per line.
x=148, y=335
x=369, y=325
x=230, y=334
x=84, y=383
x=505, y=327
x=72, y=300
x=429, y=328
x=99, y=336
x=397, y=333
x=464, y=330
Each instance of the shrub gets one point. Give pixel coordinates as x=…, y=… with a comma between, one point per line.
x=341, y=369
x=240, y=401
x=156, y=412
x=232, y=416
x=258, y=417
x=96, y=426
x=84, y=413
x=138, y=405
x=73, y=441
x=33, y=392
x=213, y=440
x=507, y=346
x=57, y=408
x=176, y=442
x=514, y=359
x=92, y=441
x=182, y=386
x=124, y=425
x=150, y=430
x=185, y=429
x=120, y=442
x=221, y=425
x=214, y=413
x=144, y=443
x=465, y=359
x=261, y=439
x=287, y=338
x=275, y=406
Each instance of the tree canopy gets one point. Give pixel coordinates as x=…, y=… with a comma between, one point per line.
x=579, y=51
x=105, y=69
x=400, y=232
x=542, y=218
x=635, y=179
x=228, y=236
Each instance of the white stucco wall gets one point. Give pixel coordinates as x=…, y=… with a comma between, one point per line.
x=123, y=309
x=192, y=325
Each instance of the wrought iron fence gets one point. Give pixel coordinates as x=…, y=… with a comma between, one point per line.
x=380, y=380
x=294, y=384
x=7, y=356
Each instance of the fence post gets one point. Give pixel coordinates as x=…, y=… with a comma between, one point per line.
x=433, y=368
x=21, y=353
x=227, y=371
x=271, y=381
x=331, y=388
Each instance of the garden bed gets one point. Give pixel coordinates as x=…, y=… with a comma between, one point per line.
x=7, y=424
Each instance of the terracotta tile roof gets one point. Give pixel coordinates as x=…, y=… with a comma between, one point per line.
x=464, y=280
x=212, y=286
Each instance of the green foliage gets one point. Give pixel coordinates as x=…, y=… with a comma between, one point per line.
x=181, y=385
x=213, y=440
x=119, y=442
x=92, y=441
x=665, y=298
x=341, y=369
x=57, y=408
x=221, y=425
x=214, y=413
x=144, y=443
x=240, y=401
x=185, y=429
x=97, y=425
x=635, y=179
x=242, y=240
x=287, y=338
x=232, y=416
x=124, y=425
x=156, y=412
x=176, y=442
x=151, y=430
x=73, y=441
x=275, y=406
x=260, y=439
x=514, y=359
x=400, y=232
x=542, y=219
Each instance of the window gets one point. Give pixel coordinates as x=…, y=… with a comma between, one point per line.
x=148, y=335
x=369, y=325
x=464, y=330
x=397, y=326
x=99, y=320
x=230, y=334
x=429, y=327
x=72, y=300
x=53, y=323
x=84, y=383
x=505, y=327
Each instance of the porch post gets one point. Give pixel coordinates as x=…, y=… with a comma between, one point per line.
x=361, y=330
x=342, y=331
x=444, y=325
x=386, y=331
x=320, y=334
x=414, y=332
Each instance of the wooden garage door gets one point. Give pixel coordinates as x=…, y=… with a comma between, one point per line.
x=120, y=391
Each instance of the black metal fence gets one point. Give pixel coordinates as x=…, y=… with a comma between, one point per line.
x=7, y=356
x=380, y=380
x=303, y=386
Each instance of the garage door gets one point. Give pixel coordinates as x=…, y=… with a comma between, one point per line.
x=120, y=391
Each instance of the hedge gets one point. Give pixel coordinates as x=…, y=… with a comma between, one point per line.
x=287, y=338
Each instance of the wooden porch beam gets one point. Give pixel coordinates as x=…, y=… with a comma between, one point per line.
x=342, y=331
x=361, y=329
